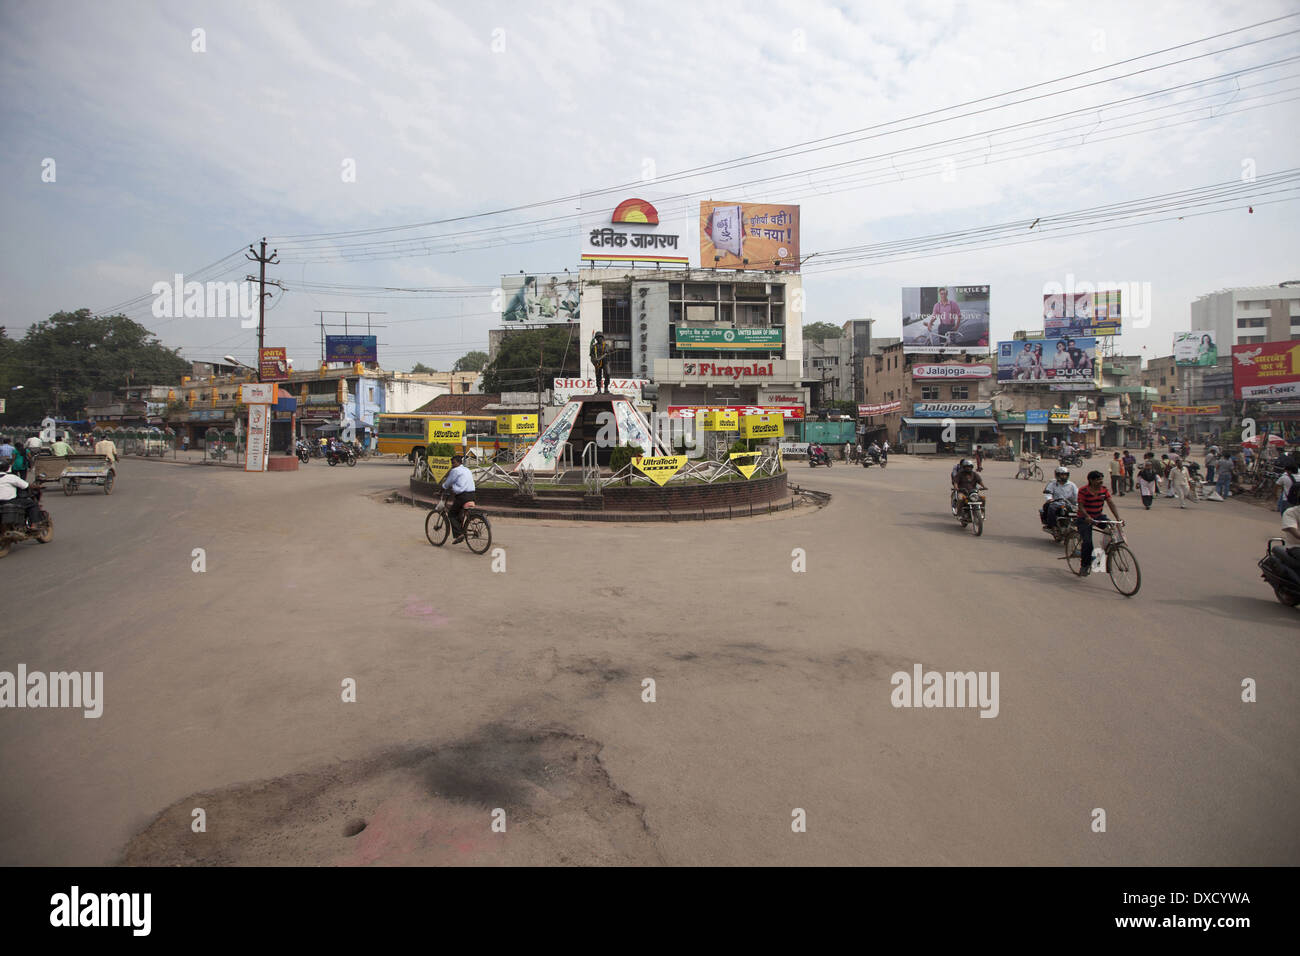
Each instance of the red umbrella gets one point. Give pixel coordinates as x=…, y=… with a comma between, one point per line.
x=1276, y=441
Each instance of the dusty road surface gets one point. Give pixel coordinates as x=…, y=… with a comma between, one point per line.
x=521, y=690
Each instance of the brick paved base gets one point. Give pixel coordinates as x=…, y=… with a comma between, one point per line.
x=636, y=503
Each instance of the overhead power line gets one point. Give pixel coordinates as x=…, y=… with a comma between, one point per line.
x=841, y=139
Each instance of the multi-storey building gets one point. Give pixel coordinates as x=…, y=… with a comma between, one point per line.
x=1249, y=315
x=911, y=399
x=838, y=363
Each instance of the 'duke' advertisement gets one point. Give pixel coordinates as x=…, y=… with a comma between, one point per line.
x=945, y=319
x=748, y=235
x=1048, y=362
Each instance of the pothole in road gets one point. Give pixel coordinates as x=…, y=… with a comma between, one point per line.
x=418, y=806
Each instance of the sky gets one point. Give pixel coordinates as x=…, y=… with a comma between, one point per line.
x=180, y=133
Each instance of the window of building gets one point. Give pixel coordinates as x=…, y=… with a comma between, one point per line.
x=929, y=393
x=1162, y=380
x=961, y=391
x=616, y=321
x=1250, y=340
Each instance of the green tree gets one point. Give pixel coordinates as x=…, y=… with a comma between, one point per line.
x=470, y=362
x=422, y=369
x=821, y=331
x=515, y=367
x=64, y=358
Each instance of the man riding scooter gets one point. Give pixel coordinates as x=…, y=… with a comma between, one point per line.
x=1063, y=498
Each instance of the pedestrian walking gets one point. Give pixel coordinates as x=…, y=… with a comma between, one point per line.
x=1117, y=476
x=1180, y=482
x=1147, y=480
x=1285, y=481
x=1223, y=469
x=979, y=457
x=1130, y=466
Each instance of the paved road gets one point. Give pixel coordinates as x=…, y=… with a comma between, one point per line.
x=522, y=690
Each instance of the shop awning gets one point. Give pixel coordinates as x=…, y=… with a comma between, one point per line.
x=960, y=422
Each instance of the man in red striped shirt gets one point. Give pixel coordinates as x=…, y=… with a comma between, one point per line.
x=1093, y=499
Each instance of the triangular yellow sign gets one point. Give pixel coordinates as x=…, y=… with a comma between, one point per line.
x=659, y=470
x=745, y=470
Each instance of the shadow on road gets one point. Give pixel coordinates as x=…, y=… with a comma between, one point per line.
x=1237, y=608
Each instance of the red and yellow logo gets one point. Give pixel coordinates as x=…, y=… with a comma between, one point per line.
x=636, y=211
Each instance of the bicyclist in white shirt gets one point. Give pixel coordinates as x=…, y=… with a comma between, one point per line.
x=460, y=483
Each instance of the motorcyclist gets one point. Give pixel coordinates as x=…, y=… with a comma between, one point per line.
x=876, y=452
x=965, y=479
x=12, y=488
x=1064, y=497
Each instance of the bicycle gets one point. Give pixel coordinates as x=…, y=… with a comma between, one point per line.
x=475, y=526
x=1121, y=563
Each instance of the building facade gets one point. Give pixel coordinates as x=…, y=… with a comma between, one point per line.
x=928, y=403
x=1249, y=315
x=838, y=364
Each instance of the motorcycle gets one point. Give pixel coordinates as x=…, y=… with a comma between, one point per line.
x=344, y=455
x=823, y=459
x=14, y=526
x=1284, y=588
x=303, y=451
x=873, y=457
x=1064, y=523
x=970, y=511
x=1074, y=460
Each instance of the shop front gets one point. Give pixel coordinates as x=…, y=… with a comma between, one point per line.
x=949, y=427
x=750, y=386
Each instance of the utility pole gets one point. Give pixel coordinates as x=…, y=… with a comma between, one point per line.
x=541, y=342
x=262, y=261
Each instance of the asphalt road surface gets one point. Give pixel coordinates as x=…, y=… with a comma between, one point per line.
x=521, y=689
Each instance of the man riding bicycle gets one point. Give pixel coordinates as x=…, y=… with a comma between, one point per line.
x=1064, y=497
x=461, y=484
x=965, y=479
x=948, y=316
x=1093, y=500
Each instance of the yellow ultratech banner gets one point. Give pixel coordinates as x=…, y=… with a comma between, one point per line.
x=771, y=425
x=446, y=430
x=438, y=468
x=721, y=420
x=524, y=424
x=745, y=470
x=659, y=470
